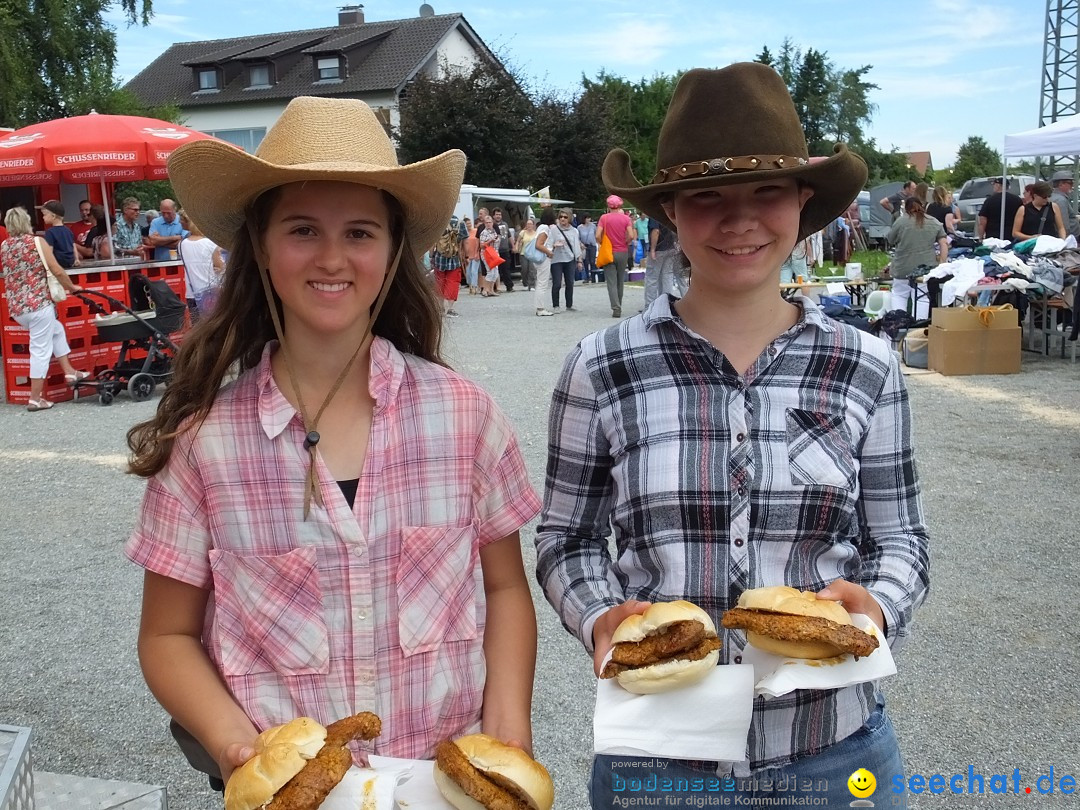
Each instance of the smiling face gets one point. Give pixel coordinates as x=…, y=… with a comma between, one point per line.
x=328, y=248
x=738, y=236
x=84, y=211
x=862, y=783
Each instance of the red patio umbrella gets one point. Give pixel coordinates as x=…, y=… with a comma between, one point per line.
x=116, y=148
x=84, y=148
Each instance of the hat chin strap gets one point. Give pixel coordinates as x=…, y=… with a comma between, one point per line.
x=311, y=437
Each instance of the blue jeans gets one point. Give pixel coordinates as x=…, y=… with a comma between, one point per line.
x=472, y=272
x=824, y=776
x=562, y=273
x=589, y=266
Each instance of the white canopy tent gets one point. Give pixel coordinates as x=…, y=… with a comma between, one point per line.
x=1059, y=138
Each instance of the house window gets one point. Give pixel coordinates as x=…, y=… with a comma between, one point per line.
x=208, y=79
x=327, y=68
x=246, y=139
x=259, y=76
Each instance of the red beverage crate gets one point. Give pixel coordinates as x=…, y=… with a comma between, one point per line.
x=17, y=380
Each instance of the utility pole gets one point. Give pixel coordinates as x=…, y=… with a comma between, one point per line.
x=1060, y=92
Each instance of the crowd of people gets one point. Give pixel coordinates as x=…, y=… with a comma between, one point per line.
x=927, y=225
x=59, y=248
x=487, y=253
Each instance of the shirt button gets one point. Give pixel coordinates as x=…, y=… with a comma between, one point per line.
x=742, y=492
x=739, y=542
x=738, y=659
x=772, y=351
x=361, y=615
x=741, y=437
x=358, y=551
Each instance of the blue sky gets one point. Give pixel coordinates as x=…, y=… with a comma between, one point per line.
x=946, y=69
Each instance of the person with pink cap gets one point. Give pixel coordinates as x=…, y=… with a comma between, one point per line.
x=619, y=229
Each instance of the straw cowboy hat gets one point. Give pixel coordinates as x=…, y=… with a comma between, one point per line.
x=736, y=125
x=315, y=139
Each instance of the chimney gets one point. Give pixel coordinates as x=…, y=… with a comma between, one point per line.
x=350, y=15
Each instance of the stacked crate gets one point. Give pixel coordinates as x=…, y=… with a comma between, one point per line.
x=88, y=353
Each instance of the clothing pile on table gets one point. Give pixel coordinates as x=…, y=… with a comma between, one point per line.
x=1020, y=268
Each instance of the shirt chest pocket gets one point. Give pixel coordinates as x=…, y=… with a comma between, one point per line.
x=819, y=450
x=436, y=587
x=268, y=613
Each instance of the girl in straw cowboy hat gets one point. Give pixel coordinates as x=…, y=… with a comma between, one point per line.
x=733, y=439
x=327, y=534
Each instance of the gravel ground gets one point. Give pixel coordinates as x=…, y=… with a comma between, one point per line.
x=988, y=679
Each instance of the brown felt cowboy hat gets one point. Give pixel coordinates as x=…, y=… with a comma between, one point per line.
x=736, y=125
x=315, y=139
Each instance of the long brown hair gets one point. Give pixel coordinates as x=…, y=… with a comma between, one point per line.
x=240, y=326
x=915, y=207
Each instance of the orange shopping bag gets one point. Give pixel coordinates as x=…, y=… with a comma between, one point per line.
x=604, y=253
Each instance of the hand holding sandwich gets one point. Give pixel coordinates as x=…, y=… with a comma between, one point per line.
x=605, y=626
x=232, y=756
x=856, y=599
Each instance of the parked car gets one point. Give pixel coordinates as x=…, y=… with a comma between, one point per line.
x=977, y=189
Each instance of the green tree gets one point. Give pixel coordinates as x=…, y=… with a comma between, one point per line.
x=636, y=113
x=485, y=113
x=571, y=138
x=833, y=103
x=813, y=96
x=975, y=158
x=850, y=107
x=885, y=167
x=57, y=56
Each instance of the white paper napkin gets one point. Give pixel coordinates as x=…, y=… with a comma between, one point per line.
x=417, y=790
x=775, y=675
x=708, y=720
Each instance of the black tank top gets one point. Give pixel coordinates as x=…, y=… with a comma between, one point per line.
x=348, y=489
x=1032, y=217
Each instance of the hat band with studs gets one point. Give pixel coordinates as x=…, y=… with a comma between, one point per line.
x=743, y=163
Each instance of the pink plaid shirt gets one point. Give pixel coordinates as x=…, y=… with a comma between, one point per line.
x=380, y=608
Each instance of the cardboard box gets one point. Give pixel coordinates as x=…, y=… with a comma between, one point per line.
x=978, y=350
x=964, y=318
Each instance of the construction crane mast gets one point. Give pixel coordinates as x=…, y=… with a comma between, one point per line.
x=1060, y=92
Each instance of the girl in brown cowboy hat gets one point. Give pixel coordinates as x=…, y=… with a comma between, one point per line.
x=326, y=534
x=733, y=439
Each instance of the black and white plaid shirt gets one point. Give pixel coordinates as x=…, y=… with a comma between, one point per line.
x=799, y=472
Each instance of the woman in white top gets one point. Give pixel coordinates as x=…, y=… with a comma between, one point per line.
x=564, y=241
x=543, y=270
x=203, y=267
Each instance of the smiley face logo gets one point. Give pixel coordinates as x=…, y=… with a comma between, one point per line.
x=862, y=783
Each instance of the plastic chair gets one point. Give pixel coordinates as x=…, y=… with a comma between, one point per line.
x=877, y=304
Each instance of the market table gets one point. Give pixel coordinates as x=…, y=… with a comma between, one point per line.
x=88, y=353
x=856, y=288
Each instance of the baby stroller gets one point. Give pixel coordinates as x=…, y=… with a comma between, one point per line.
x=142, y=330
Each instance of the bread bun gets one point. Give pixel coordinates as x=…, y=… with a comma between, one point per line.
x=658, y=616
x=508, y=767
x=782, y=599
x=453, y=793
x=280, y=754
x=667, y=675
